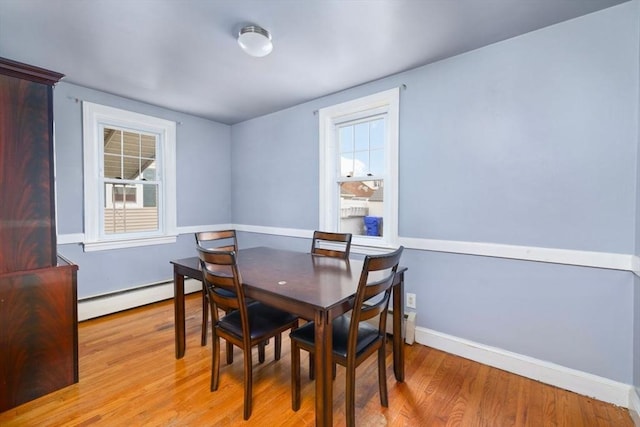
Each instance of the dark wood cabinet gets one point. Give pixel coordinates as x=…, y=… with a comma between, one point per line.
x=38, y=290
x=27, y=227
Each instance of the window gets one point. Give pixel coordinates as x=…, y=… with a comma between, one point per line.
x=129, y=178
x=359, y=169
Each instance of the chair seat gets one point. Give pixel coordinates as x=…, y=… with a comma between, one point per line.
x=366, y=335
x=224, y=292
x=263, y=320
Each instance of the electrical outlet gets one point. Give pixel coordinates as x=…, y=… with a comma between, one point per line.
x=411, y=300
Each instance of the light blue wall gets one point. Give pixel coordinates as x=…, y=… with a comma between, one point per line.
x=531, y=141
x=203, y=191
x=275, y=170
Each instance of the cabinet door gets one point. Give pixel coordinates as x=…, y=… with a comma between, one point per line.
x=27, y=224
x=38, y=333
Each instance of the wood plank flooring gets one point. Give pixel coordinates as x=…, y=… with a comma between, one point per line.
x=129, y=377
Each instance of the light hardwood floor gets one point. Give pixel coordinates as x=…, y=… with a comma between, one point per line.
x=129, y=377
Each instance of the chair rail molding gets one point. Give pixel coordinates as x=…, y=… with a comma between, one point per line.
x=612, y=261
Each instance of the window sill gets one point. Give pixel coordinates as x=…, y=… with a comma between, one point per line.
x=120, y=244
x=370, y=246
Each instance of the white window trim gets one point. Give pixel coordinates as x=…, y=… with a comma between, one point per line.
x=386, y=102
x=95, y=115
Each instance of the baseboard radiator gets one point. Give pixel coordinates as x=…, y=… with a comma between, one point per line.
x=408, y=325
x=102, y=305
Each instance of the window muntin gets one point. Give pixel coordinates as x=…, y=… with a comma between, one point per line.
x=129, y=178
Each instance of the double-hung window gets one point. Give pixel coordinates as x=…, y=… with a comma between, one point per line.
x=129, y=178
x=359, y=169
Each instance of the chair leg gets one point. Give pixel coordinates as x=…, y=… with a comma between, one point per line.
x=382, y=376
x=278, y=347
x=350, y=398
x=229, y=348
x=205, y=317
x=295, y=376
x=215, y=364
x=248, y=382
x=229, y=353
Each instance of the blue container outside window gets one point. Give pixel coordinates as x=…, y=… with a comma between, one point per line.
x=373, y=224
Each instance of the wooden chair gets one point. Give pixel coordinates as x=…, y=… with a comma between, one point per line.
x=354, y=340
x=224, y=240
x=341, y=239
x=338, y=241
x=247, y=325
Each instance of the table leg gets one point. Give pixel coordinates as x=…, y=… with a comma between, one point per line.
x=398, y=319
x=178, y=306
x=324, y=369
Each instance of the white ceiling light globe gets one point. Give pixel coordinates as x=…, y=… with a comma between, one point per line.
x=255, y=41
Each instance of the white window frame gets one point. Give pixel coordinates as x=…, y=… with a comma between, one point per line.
x=94, y=118
x=387, y=103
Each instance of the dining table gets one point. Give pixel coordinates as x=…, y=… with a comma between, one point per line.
x=315, y=288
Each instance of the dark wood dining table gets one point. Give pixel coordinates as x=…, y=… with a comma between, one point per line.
x=313, y=287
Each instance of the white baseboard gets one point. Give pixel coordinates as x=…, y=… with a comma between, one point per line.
x=634, y=406
x=131, y=298
x=579, y=382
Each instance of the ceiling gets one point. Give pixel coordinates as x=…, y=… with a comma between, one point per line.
x=183, y=54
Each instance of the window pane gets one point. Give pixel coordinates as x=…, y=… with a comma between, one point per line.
x=148, y=146
x=128, y=154
x=361, y=136
x=376, y=165
x=346, y=139
x=149, y=171
x=124, y=194
x=112, y=166
x=361, y=207
x=112, y=141
x=131, y=144
x=112, y=153
x=150, y=195
x=376, y=134
x=346, y=164
x=361, y=163
x=130, y=208
x=132, y=168
x=357, y=142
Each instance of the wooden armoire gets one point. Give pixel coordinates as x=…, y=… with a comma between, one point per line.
x=38, y=289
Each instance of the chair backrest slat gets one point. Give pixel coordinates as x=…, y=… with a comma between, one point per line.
x=223, y=240
x=219, y=274
x=374, y=290
x=343, y=240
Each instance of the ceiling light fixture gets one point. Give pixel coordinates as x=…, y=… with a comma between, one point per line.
x=255, y=40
